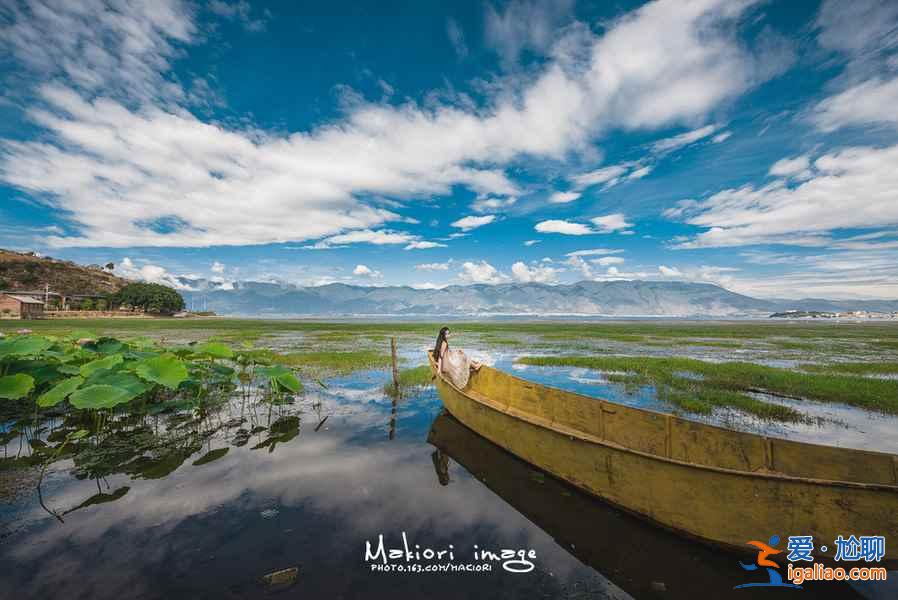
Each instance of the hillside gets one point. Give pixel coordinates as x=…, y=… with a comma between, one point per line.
x=26, y=272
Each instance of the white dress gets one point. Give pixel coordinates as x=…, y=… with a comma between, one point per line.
x=457, y=367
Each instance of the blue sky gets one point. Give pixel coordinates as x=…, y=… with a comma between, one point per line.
x=744, y=143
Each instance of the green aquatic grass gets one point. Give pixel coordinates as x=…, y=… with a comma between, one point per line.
x=855, y=368
x=333, y=362
x=416, y=377
x=873, y=394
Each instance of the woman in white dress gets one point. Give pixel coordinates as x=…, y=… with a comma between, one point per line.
x=454, y=364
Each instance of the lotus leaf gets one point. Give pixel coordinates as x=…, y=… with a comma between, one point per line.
x=93, y=366
x=166, y=370
x=214, y=350
x=100, y=396
x=23, y=345
x=58, y=393
x=16, y=386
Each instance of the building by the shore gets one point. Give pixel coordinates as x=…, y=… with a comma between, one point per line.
x=16, y=306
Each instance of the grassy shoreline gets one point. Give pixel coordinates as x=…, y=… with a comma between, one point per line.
x=697, y=385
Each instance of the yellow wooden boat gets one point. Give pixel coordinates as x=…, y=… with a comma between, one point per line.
x=630, y=552
x=720, y=486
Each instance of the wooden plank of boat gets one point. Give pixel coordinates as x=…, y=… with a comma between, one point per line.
x=721, y=486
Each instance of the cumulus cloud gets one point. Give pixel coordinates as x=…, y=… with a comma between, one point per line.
x=535, y=274
x=853, y=188
x=149, y=273
x=481, y=272
x=607, y=261
x=563, y=197
x=611, y=223
x=365, y=271
x=132, y=169
x=564, y=227
x=472, y=222
x=790, y=167
x=669, y=271
x=377, y=238
x=217, y=267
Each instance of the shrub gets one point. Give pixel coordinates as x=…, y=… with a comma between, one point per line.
x=151, y=297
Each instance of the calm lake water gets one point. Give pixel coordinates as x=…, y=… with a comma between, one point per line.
x=187, y=505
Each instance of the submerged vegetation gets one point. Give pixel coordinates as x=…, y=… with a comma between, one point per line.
x=698, y=386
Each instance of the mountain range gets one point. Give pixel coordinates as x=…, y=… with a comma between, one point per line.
x=595, y=298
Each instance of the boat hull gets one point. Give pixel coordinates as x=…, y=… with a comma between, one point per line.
x=720, y=506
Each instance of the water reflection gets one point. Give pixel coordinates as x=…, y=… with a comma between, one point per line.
x=204, y=502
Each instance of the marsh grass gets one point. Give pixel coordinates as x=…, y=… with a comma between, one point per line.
x=410, y=380
x=854, y=368
x=726, y=384
x=332, y=362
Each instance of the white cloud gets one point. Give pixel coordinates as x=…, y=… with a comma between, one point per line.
x=433, y=266
x=853, y=188
x=789, y=167
x=563, y=227
x=423, y=245
x=471, y=222
x=217, y=267
x=364, y=236
x=563, y=197
x=365, y=271
x=149, y=273
x=669, y=271
x=240, y=11
x=456, y=38
x=427, y=285
x=524, y=25
x=481, y=272
x=603, y=175
x=869, y=103
x=608, y=260
x=492, y=204
x=612, y=175
x=722, y=137
x=148, y=172
x=121, y=48
x=531, y=242
x=535, y=274
x=684, y=139
x=594, y=252
x=611, y=223
x=640, y=172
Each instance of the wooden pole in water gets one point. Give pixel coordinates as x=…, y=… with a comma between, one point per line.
x=395, y=365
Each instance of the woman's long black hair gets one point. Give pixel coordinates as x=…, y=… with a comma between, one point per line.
x=441, y=337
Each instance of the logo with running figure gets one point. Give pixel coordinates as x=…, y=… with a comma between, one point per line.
x=773, y=574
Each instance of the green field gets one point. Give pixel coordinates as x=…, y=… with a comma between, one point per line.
x=694, y=366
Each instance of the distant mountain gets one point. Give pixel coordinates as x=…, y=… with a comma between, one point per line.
x=613, y=298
